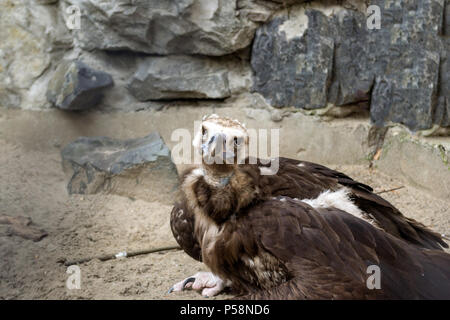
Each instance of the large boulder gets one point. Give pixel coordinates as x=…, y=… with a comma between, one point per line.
x=179, y=77
x=29, y=34
x=446, y=30
x=407, y=90
x=76, y=86
x=125, y=167
x=320, y=55
x=353, y=75
x=442, y=115
x=407, y=66
x=291, y=68
x=206, y=27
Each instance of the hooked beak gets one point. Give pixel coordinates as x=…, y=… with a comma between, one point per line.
x=216, y=146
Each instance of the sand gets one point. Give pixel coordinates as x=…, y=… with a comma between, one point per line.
x=32, y=184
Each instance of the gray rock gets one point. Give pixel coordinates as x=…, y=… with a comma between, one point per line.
x=124, y=167
x=9, y=98
x=46, y=1
x=446, y=30
x=348, y=78
x=353, y=76
x=406, y=92
x=442, y=113
x=75, y=86
x=442, y=116
x=25, y=38
x=207, y=27
x=397, y=68
x=179, y=77
x=293, y=71
x=407, y=67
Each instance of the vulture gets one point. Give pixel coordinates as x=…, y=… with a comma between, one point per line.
x=303, y=232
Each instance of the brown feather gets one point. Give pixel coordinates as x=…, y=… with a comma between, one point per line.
x=303, y=182
x=253, y=230
x=318, y=267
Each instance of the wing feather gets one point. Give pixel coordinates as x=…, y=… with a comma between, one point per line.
x=182, y=223
x=312, y=255
x=306, y=180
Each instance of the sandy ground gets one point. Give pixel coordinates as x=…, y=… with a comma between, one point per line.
x=32, y=184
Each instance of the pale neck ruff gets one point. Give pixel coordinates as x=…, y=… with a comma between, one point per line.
x=219, y=181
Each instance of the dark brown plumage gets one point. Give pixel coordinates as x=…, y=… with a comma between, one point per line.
x=308, y=182
x=307, y=253
x=262, y=234
x=321, y=254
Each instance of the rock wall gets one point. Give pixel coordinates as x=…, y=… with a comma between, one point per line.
x=295, y=54
x=401, y=69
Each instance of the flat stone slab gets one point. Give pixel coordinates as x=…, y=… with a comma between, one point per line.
x=179, y=77
x=124, y=167
x=76, y=86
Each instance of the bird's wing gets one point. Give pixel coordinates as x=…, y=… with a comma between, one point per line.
x=327, y=252
x=322, y=171
x=182, y=222
x=394, y=222
x=326, y=284
x=306, y=180
x=322, y=262
x=384, y=213
x=289, y=180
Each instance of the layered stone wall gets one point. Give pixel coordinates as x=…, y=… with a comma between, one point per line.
x=306, y=55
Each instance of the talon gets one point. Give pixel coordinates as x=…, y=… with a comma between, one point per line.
x=188, y=280
x=206, y=282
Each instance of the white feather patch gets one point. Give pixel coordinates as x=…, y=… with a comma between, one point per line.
x=266, y=171
x=198, y=172
x=337, y=199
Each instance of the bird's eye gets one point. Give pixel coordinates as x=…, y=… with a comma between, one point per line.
x=203, y=131
x=237, y=141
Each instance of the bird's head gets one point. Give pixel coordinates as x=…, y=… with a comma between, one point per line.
x=221, y=141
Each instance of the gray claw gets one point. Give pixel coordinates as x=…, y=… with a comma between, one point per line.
x=188, y=280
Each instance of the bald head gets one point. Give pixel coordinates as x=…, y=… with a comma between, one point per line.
x=221, y=140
